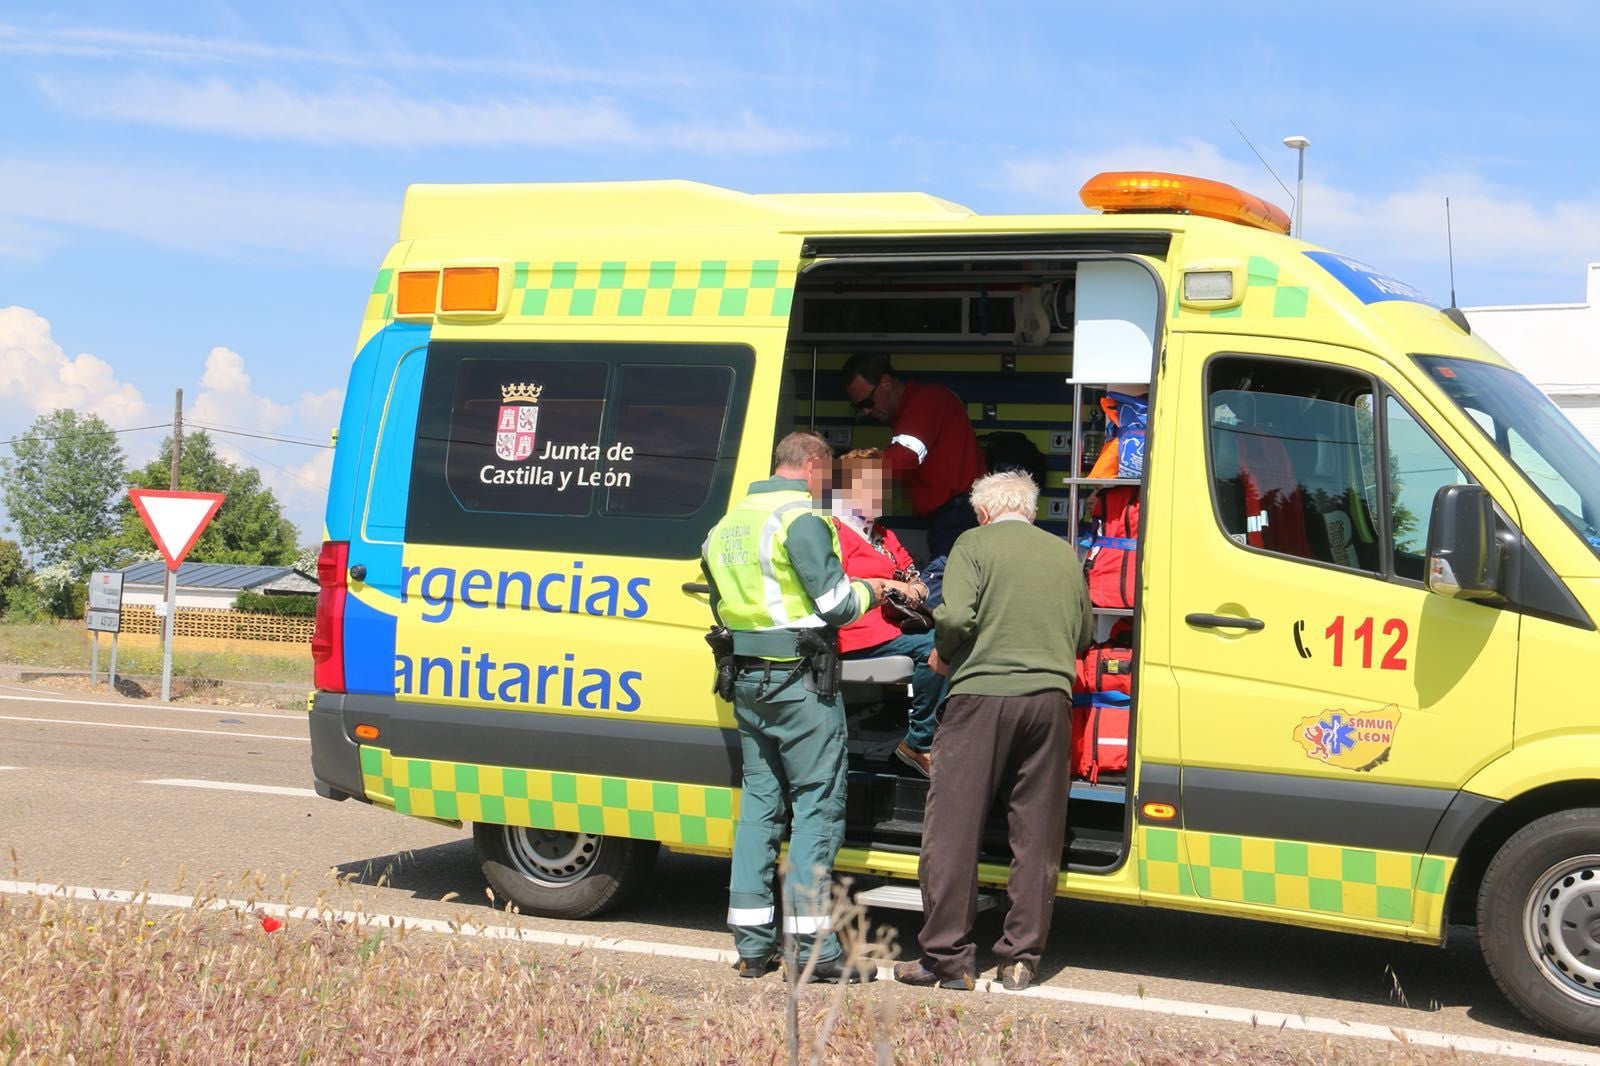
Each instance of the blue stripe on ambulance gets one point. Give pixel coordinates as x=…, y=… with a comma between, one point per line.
x=387, y=374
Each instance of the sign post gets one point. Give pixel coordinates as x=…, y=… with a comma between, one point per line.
x=104, y=615
x=175, y=520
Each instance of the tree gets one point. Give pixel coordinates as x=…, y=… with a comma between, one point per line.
x=61, y=487
x=13, y=570
x=250, y=529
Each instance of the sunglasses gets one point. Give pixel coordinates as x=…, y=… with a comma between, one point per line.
x=867, y=402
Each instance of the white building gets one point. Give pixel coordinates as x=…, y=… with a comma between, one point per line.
x=1557, y=346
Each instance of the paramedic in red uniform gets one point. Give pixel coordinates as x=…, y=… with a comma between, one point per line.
x=933, y=453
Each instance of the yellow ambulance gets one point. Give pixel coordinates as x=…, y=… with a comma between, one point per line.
x=1367, y=570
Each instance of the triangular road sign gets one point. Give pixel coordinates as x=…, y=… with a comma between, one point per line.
x=175, y=519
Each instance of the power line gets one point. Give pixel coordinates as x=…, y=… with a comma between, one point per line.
x=225, y=428
x=130, y=429
x=297, y=476
x=258, y=436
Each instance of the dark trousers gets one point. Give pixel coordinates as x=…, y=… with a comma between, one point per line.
x=793, y=745
x=947, y=522
x=1011, y=748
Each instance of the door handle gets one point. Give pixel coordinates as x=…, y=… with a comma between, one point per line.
x=697, y=586
x=1225, y=621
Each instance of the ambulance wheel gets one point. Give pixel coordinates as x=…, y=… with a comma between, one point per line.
x=558, y=874
x=1539, y=922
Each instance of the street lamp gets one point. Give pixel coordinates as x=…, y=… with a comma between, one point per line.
x=1299, y=144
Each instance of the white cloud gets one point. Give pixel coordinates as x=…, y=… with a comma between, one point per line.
x=36, y=371
x=281, y=440
x=371, y=53
x=172, y=208
x=1401, y=229
x=381, y=115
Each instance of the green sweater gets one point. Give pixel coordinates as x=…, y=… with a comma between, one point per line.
x=1015, y=614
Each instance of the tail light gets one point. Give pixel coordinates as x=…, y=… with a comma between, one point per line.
x=327, y=638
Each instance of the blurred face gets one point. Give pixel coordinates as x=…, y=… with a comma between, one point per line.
x=819, y=478
x=861, y=489
x=871, y=399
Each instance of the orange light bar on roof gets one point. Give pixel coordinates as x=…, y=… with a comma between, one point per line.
x=470, y=289
x=416, y=293
x=1118, y=191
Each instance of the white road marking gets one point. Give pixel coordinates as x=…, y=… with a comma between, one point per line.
x=156, y=707
x=1084, y=996
x=10, y=767
x=153, y=728
x=229, y=786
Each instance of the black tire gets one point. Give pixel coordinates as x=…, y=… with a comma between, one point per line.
x=557, y=874
x=1539, y=922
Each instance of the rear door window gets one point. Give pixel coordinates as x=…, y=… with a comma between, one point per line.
x=608, y=448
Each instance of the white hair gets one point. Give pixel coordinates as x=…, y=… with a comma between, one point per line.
x=1008, y=492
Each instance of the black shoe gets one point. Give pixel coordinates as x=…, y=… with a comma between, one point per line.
x=914, y=973
x=759, y=966
x=1015, y=975
x=837, y=971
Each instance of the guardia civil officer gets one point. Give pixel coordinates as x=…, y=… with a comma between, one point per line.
x=777, y=584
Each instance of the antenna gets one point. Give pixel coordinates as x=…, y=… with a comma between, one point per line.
x=1453, y=313
x=1264, y=163
x=1450, y=250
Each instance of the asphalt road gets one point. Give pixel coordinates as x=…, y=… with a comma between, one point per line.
x=108, y=793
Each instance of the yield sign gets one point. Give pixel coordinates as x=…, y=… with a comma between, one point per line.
x=175, y=519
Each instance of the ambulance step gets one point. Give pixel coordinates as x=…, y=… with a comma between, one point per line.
x=1101, y=792
x=907, y=898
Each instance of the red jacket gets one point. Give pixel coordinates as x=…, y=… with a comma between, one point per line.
x=863, y=560
x=933, y=447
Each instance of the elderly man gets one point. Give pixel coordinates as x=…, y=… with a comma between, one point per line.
x=1014, y=619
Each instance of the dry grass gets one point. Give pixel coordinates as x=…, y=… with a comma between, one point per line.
x=66, y=645
x=131, y=982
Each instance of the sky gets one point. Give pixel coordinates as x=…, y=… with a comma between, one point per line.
x=197, y=195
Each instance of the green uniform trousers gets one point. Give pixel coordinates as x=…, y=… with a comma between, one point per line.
x=794, y=763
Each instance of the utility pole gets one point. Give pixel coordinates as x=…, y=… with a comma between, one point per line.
x=172, y=575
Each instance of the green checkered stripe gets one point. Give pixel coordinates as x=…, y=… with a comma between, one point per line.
x=690, y=815
x=616, y=289
x=1265, y=295
x=380, y=301
x=1384, y=886
x=710, y=288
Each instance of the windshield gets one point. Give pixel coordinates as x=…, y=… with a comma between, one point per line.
x=1531, y=431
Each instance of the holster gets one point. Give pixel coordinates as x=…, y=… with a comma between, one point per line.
x=720, y=638
x=820, y=650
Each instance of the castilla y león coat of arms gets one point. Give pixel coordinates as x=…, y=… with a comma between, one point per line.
x=518, y=421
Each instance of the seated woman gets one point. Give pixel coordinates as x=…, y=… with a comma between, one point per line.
x=869, y=550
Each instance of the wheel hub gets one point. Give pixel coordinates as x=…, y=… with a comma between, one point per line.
x=1563, y=927
x=550, y=856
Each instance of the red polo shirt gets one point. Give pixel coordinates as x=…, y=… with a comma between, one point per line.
x=933, y=450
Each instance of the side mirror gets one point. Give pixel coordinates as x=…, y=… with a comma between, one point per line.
x=1463, y=551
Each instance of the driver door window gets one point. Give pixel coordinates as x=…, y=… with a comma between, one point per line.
x=1296, y=470
x=1418, y=469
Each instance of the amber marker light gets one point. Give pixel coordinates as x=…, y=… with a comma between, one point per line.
x=366, y=732
x=470, y=289
x=1121, y=191
x=417, y=291
x=1159, y=812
